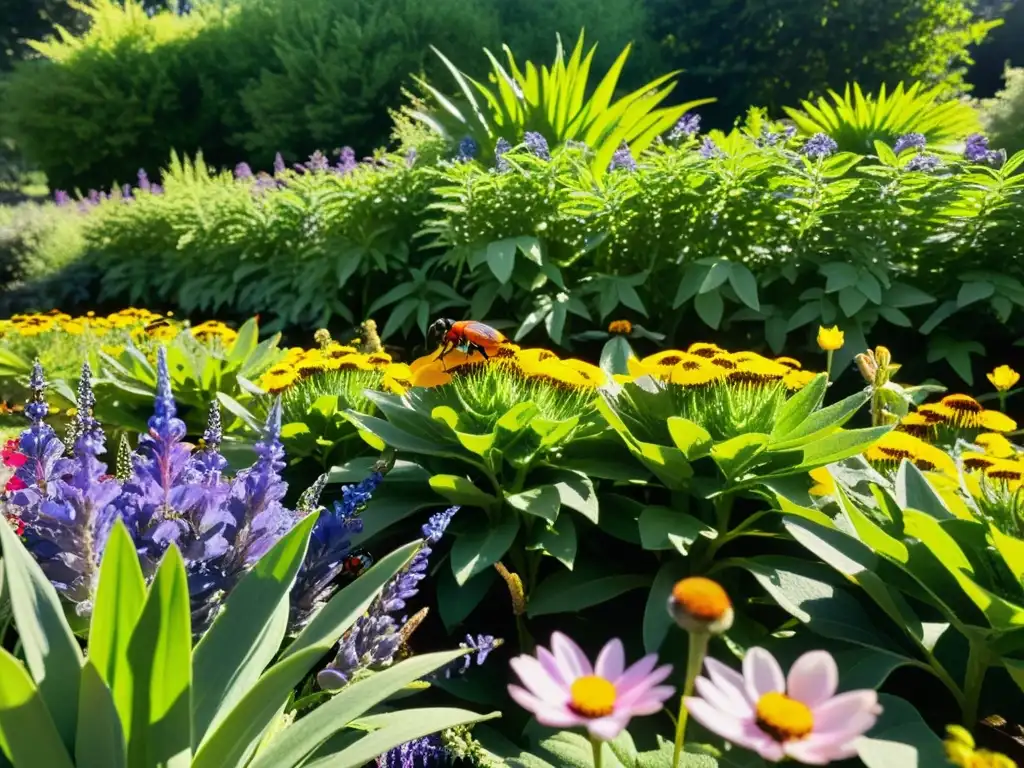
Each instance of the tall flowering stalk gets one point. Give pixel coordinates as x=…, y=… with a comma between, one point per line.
x=166, y=493
x=377, y=635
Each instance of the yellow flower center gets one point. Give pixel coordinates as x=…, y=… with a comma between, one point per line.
x=702, y=598
x=592, y=696
x=783, y=718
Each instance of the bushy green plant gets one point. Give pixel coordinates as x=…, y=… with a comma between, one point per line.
x=555, y=102
x=1004, y=115
x=856, y=121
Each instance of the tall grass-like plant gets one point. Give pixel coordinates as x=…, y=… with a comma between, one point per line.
x=553, y=102
x=856, y=120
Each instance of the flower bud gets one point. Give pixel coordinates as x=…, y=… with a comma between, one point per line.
x=515, y=588
x=867, y=366
x=698, y=604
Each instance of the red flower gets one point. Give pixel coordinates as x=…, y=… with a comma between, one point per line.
x=15, y=484
x=10, y=455
x=16, y=523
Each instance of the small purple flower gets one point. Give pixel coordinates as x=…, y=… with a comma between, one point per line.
x=427, y=752
x=820, y=146
x=686, y=128
x=537, y=144
x=468, y=150
x=126, y=192
x=923, y=162
x=346, y=160
x=156, y=189
x=976, y=151
x=243, y=171
x=144, y=183
x=909, y=141
x=500, y=162
x=317, y=162
x=622, y=159
x=410, y=158
x=279, y=165
x=60, y=197
x=710, y=150
x=481, y=645
x=789, y=132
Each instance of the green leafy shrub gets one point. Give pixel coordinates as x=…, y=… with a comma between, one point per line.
x=1004, y=115
x=774, y=52
x=554, y=102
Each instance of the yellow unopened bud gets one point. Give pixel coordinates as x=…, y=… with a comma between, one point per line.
x=699, y=604
x=867, y=366
x=830, y=339
x=515, y=588
x=883, y=357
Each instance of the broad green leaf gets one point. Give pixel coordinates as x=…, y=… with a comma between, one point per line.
x=459, y=490
x=818, y=423
x=869, y=533
x=689, y=437
x=31, y=737
x=51, y=652
x=734, y=456
x=657, y=620
x=405, y=726
x=247, y=633
x=501, y=258
x=159, y=654
x=541, y=502
x=808, y=593
x=484, y=544
x=1015, y=667
x=974, y=291
x=244, y=344
x=1000, y=613
x=664, y=528
x=900, y=739
x=99, y=742
x=558, y=540
x=710, y=308
x=744, y=283
x=1011, y=549
x=342, y=610
x=839, y=445
x=913, y=491
x=567, y=592
x=231, y=737
x=614, y=355
x=119, y=599
x=576, y=491
x=799, y=407
x=295, y=743
x=571, y=750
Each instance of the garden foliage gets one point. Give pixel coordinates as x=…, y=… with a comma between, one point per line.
x=1004, y=114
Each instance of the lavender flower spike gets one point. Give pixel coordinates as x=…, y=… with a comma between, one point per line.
x=329, y=545
x=909, y=141
x=820, y=146
x=208, y=459
x=41, y=447
x=686, y=128
x=468, y=150
x=427, y=752
x=376, y=637
x=500, y=162
x=537, y=144
x=622, y=159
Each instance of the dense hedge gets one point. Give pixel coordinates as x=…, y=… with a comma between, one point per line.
x=246, y=80
x=750, y=233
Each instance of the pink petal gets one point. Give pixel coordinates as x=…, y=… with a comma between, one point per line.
x=813, y=679
x=611, y=661
x=729, y=682
x=819, y=752
x=537, y=680
x=847, y=711
x=550, y=664
x=607, y=728
x=571, y=659
x=762, y=674
x=627, y=683
x=734, y=705
x=650, y=702
x=741, y=732
x=635, y=672
x=546, y=714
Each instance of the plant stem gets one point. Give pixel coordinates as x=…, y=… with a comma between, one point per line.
x=694, y=661
x=1002, y=401
x=596, y=744
x=974, y=677
x=828, y=366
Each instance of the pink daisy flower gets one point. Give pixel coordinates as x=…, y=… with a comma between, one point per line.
x=562, y=689
x=799, y=716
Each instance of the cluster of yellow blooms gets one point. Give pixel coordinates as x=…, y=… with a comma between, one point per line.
x=703, y=364
x=299, y=364
x=139, y=324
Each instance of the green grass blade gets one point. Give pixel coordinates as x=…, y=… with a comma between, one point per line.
x=27, y=731
x=100, y=740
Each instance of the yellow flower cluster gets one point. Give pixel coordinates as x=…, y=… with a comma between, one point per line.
x=299, y=364
x=539, y=365
x=138, y=323
x=893, y=447
x=703, y=364
x=957, y=412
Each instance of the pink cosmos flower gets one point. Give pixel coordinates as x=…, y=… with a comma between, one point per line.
x=798, y=716
x=562, y=689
